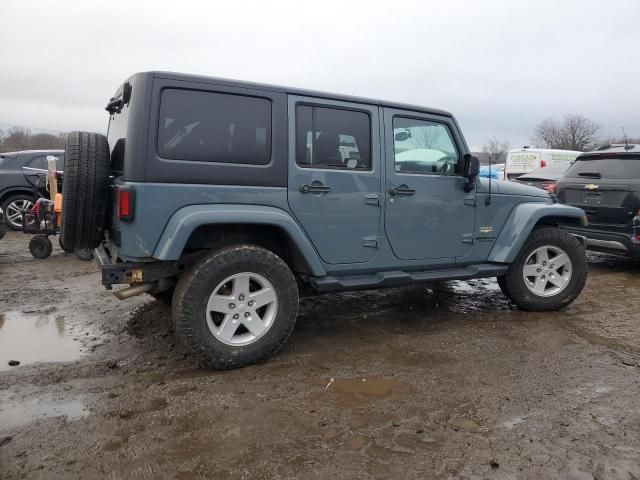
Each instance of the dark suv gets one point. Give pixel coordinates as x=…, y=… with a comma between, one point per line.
x=229, y=200
x=605, y=183
x=16, y=193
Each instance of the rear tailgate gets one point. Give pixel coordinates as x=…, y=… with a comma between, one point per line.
x=607, y=189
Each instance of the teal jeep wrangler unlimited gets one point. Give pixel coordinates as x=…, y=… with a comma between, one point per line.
x=230, y=200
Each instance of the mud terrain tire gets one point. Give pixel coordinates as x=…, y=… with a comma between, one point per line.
x=199, y=283
x=84, y=191
x=553, y=238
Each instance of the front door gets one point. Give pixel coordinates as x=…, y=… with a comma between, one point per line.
x=428, y=213
x=334, y=176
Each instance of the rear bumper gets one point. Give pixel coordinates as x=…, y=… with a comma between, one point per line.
x=606, y=242
x=115, y=272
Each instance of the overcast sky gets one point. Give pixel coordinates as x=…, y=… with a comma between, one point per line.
x=500, y=66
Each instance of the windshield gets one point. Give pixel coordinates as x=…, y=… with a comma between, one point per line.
x=620, y=167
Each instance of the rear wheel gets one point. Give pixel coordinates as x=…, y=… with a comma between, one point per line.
x=40, y=246
x=549, y=272
x=236, y=307
x=84, y=190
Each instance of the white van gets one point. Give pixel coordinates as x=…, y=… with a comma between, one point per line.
x=524, y=160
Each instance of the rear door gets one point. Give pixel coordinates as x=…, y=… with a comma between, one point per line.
x=334, y=176
x=606, y=188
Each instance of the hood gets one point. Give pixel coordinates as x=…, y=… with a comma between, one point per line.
x=510, y=188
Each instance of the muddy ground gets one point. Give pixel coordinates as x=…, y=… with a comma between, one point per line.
x=441, y=381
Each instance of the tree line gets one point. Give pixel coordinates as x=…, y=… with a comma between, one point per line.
x=573, y=132
x=17, y=138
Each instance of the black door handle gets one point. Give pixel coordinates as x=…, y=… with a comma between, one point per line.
x=315, y=188
x=402, y=190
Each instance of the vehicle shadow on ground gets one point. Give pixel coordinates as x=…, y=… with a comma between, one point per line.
x=323, y=317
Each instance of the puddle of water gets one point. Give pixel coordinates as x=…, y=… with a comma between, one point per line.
x=15, y=413
x=371, y=386
x=35, y=338
x=465, y=424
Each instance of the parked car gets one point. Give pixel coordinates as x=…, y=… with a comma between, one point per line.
x=526, y=160
x=545, y=177
x=16, y=193
x=605, y=183
x=495, y=171
x=227, y=199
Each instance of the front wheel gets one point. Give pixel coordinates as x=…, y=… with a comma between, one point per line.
x=549, y=272
x=235, y=307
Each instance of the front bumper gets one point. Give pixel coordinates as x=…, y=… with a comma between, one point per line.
x=606, y=242
x=115, y=272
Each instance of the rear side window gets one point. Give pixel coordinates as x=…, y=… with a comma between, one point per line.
x=628, y=168
x=38, y=162
x=214, y=127
x=332, y=138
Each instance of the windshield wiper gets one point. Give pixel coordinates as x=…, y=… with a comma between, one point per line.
x=590, y=174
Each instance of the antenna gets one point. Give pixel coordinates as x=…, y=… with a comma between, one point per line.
x=487, y=199
x=626, y=142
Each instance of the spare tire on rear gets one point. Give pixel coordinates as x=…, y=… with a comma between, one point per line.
x=85, y=190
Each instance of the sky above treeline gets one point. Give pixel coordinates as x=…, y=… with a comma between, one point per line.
x=500, y=66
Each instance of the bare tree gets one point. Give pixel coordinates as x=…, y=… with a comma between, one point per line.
x=576, y=132
x=495, y=150
x=16, y=139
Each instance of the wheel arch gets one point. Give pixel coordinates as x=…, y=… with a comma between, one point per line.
x=526, y=217
x=208, y=226
x=11, y=191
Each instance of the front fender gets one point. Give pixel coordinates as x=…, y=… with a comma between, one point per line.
x=520, y=223
x=185, y=220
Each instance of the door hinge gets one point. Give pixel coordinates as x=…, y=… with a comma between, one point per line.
x=467, y=237
x=371, y=242
x=470, y=200
x=372, y=199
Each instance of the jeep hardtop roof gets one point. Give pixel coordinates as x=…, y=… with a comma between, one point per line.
x=294, y=91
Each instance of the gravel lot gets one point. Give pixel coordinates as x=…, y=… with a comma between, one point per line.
x=441, y=381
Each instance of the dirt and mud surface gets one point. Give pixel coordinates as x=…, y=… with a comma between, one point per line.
x=441, y=381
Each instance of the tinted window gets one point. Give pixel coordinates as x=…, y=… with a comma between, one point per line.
x=38, y=162
x=425, y=147
x=332, y=138
x=59, y=162
x=214, y=127
x=605, y=168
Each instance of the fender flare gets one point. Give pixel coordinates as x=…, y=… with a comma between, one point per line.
x=520, y=224
x=185, y=220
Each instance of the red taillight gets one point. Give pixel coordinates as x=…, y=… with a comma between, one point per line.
x=125, y=204
x=549, y=187
x=543, y=164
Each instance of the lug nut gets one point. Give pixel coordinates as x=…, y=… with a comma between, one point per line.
x=232, y=305
x=241, y=297
x=247, y=314
x=539, y=270
x=236, y=316
x=251, y=303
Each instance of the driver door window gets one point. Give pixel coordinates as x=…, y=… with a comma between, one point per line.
x=424, y=147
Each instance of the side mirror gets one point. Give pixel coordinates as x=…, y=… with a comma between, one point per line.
x=470, y=171
x=402, y=136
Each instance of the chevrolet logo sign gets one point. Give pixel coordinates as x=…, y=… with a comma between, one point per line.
x=591, y=186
